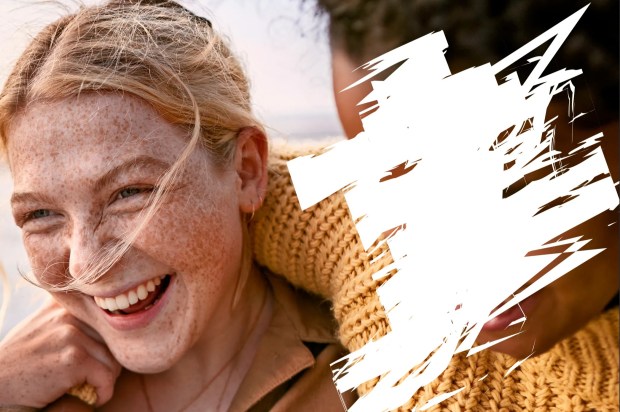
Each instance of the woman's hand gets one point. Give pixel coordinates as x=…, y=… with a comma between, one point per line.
x=49, y=353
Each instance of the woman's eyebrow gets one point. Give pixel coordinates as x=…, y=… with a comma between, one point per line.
x=25, y=197
x=101, y=182
x=134, y=163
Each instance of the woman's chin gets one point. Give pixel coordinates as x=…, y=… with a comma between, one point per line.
x=146, y=369
x=151, y=360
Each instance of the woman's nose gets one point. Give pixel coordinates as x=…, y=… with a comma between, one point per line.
x=85, y=248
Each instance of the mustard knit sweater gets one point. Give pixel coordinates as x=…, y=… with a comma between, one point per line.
x=319, y=250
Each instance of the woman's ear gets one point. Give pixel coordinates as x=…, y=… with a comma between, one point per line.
x=251, y=158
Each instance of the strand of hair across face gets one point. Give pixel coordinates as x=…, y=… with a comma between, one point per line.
x=221, y=370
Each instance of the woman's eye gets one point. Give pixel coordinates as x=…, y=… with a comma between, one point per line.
x=128, y=192
x=36, y=217
x=39, y=213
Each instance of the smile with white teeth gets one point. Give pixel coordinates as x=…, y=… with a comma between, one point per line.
x=130, y=297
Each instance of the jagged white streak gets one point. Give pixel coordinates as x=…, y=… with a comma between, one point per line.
x=460, y=232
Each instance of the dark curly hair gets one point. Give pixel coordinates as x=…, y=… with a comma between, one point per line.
x=480, y=31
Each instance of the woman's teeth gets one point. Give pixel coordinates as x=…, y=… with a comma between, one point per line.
x=131, y=297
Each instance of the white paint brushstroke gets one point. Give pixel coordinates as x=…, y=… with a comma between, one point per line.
x=487, y=345
x=454, y=222
x=517, y=321
x=439, y=398
x=516, y=365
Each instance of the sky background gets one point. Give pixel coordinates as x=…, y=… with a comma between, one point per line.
x=284, y=49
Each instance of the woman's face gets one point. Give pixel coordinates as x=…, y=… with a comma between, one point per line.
x=83, y=169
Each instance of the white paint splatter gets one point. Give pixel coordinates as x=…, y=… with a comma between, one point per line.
x=464, y=139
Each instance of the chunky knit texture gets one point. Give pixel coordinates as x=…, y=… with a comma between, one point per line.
x=318, y=250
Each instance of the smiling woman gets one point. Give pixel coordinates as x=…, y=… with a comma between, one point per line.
x=135, y=160
x=116, y=159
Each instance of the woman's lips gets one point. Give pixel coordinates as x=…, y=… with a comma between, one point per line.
x=141, y=313
x=130, y=297
x=516, y=312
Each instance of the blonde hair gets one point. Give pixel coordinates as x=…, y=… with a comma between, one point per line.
x=155, y=50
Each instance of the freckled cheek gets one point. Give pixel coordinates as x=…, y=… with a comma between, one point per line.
x=116, y=227
x=48, y=259
x=194, y=241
